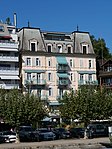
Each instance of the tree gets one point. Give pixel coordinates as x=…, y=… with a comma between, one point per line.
x=88, y=103
x=100, y=48
x=21, y=109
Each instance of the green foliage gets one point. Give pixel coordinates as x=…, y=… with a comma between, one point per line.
x=100, y=48
x=16, y=108
x=88, y=103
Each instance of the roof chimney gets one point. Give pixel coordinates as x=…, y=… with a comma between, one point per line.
x=15, y=19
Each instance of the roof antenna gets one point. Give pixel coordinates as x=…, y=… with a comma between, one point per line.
x=28, y=24
x=77, y=28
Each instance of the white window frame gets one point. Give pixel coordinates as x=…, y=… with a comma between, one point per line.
x=81, y=77
x=28, y=61
x=36, y=44
x=38, y=63
x=60, y=50
x=81, y=63
x=90, y=78
x=49, y=62
x=84, y=45
x=71, y=76
x=28, y=76
x=50, y=92
x=50, y=46
x=49, y=76
x=69, y=46
x=90, y=64
x=71, y=62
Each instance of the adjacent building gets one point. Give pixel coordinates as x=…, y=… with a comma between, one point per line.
x=9, y=61
x=54, y=62
x=105, y=73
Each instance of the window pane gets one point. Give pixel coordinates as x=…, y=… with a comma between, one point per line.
x=49, y=48
x=84, y=49
x=32, y=46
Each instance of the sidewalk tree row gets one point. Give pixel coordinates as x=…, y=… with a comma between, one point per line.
x=88, y=103
x=17, y=109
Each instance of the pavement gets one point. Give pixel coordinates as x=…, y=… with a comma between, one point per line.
x=45, y=144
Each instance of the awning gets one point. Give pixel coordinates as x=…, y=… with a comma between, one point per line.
x=56, y=103
x=9, y=77
x=63, y=75
x=86, y=72
x=61, y=60
x=5, y=36
x=34, y=71
x=46, y=119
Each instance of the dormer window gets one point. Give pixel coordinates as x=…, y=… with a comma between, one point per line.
x=49, y=49
x=84, y=47
x=69, y=50
x=33, y=48
x=33, y=45
x=60, y=48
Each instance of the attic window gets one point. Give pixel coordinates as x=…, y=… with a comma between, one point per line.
x=84, y=48
x=1, y=28
x=33, y=45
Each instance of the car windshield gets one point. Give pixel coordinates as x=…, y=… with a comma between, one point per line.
x=9, y=133
x=28, y=129
x=44, y=131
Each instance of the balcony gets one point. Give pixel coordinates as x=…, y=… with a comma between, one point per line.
x=9, y=71
x=44, y=97
x=9, y=58
x=35, y=82
x=9, y=86
x=8, y=45
x=86, y=82
x=62, y=68
x=105, y=73
x=63, y=82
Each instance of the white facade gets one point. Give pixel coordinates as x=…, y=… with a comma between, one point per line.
x=53, y=63
x=9, y=61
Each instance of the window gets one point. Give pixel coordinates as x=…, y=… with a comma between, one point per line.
x=81, y=63
x=1, y=28
x=81, y=77
x=37, y=62
x=50, y=91
x=60, y=49
x=84, y=48
x=90, y=77
x=32, y=46
x=49, y=63
x=49, y=48
x=39, y=93
x=60, y=93
x=38, y=78
x=69, y=49
x=28, y=63
x=71, y=76
x=28, y=76
x=49, y=76
x=71, y=62
x=89, y=63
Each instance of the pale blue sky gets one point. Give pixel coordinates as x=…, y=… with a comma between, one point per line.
x=93, y=16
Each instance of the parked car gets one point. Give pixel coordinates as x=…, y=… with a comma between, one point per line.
x=97, y=130
x=45, y=134
x=27, y=133
x=8, y=136
x=62, y=133
x=77, y=132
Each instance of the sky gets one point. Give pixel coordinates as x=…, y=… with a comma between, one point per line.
x=93, y=16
